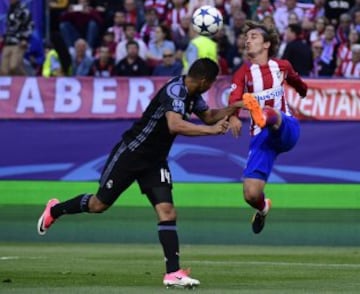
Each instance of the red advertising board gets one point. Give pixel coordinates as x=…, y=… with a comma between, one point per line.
x=87, y=97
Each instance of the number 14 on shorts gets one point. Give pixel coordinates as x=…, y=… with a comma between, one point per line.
x=165, y=176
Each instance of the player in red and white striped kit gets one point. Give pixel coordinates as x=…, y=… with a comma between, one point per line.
x=259, y=83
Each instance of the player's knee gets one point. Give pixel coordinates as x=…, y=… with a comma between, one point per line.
x=166, y=212
x=96, y=206
x=251, y=195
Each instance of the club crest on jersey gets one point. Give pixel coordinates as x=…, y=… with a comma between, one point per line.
x=109, y=184
x=178, y=106
x=176, y=91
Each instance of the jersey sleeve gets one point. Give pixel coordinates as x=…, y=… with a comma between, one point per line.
x=237, y=86
x=172, y=98
x=200, y=105
x=294, y=80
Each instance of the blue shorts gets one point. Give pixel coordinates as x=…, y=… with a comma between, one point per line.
x=268, y=144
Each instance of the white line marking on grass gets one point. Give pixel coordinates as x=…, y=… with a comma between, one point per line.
x=272, y=263
x=8, y=257
x=18, y=257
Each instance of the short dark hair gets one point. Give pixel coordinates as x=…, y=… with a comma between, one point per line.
x=269, y=35
x=132, y=42
x=295, y=28
x=204, y=68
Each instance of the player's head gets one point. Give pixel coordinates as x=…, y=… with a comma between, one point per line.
x=204, y=72
x=260, y=39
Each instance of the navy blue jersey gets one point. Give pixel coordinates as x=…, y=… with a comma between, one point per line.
x=150, y=134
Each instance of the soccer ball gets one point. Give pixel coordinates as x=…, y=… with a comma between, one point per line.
x=207, y=20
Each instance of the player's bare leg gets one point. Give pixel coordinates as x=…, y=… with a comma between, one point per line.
x=255, y=197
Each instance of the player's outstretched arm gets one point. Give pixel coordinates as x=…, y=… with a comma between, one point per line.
x=211, y=116
x=295, y=81
x=178, y=126
x=235, y=126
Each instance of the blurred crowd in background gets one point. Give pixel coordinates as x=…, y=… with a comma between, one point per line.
x=321, y=39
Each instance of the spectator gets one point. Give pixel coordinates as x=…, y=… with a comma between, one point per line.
x=356, y=24
x=81, y=62
x=34, y=56
x=354, y=9
x=312, y=14
x=162, y=41
x=233, y=7
x=236, y=24
x=330, y=47
x=334, y=8
x=160, y=7
x=108, y=9
x=281, y=15
x=237, y=53
x=195, y=4
x=104, y=65
x=200, y=46
x=297, y=51
x=81, y=21
x=181, y=36
x=350, y=68
x=130, y=35
x=269, y=22
x=224, y=50
x=108, y=41
x=147, y=32
x=318, y=33
x=343, y=29
x=134, y=13
x=319, y=67
x=19, y=27
x=174, y=15
x=263, y=9
x=170, y=66
x=344, y=52
x=132, y=65
x=119, y=21
x=52, y=64
x=293, y=19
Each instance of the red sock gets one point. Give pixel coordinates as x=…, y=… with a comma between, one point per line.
x=260, y=204
x=271, y=116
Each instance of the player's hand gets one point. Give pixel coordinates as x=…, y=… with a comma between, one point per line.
x=238, y=104
x=235, y=125
x=222, y=126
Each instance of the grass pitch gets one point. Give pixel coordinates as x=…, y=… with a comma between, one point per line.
x=311, y=242
x=118, y=268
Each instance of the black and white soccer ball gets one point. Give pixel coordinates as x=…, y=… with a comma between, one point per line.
x=207, y=20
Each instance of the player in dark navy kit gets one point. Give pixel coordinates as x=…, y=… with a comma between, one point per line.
x=142, y=154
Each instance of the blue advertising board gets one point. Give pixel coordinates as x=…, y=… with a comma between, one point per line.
x=75, y=150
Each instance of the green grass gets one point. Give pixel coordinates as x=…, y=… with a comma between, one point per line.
x=311, y=242
x=118, y=268
x=322, y=196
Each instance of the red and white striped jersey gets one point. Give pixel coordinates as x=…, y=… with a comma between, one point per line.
x=348, y=69
x=266, y=82
x=174, y=16
x=344, y=52
x=159, y=5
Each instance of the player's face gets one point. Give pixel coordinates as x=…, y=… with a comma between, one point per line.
x=254, y=43
x=205, y=85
